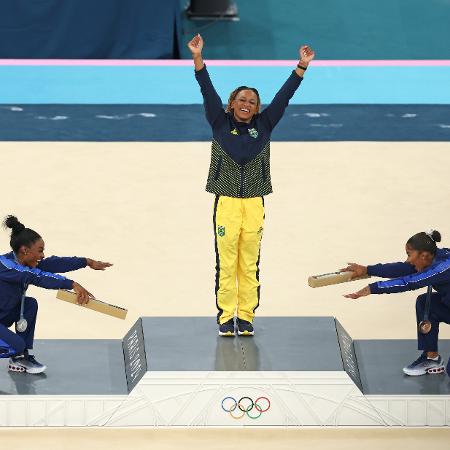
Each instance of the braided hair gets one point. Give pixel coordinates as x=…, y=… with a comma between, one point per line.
x=234, y=94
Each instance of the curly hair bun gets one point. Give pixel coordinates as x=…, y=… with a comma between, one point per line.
x=436, y=236
x=13, y=223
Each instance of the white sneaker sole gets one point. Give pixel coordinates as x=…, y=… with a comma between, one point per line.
x=227, y=334
x=19, y=368
x=246, y=333
x=431, y=371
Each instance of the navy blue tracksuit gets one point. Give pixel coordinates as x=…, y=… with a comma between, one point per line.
x=406, y=278
x=14, y=280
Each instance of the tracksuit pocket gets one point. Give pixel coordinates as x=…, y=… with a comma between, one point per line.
x=218, y=167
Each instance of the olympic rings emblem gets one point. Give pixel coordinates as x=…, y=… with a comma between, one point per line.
x=239, y=408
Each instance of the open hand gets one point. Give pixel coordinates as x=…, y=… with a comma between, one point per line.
x=357, y=270
x=97, y=265
x=195, y=45
x=361, y=293
x=306, y=54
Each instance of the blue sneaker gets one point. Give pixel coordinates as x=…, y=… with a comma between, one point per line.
x=423, y=365
x=227, y=328
x=245, y=328
x=448, y=367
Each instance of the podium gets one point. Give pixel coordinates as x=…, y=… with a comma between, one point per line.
x=176, y=371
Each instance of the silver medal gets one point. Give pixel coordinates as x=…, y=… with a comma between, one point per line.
x=21, y=325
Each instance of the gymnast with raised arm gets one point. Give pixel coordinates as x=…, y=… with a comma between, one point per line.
x=26, y=265
x=239, y=176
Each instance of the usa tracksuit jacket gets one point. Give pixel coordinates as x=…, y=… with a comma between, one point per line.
x=406, y=278
x=14, y=280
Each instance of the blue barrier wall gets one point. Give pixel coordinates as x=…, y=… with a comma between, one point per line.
x=176, y=85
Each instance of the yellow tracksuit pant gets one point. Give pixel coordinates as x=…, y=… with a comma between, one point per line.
x=238, y=227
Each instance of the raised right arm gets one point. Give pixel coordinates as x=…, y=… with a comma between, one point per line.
x=211, y=100
x=195, y=45
x=275, y=110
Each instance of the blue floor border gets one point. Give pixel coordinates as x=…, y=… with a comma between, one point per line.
x=182, y=123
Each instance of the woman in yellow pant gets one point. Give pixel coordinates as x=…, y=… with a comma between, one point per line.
x=239, y=176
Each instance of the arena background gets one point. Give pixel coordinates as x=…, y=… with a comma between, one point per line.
x=107, y=158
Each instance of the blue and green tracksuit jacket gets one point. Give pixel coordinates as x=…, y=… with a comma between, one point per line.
x=240, y=153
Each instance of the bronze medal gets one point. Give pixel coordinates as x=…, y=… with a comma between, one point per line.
x=424, y=326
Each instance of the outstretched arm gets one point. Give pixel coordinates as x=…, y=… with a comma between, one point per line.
x=97, y=265
x=12, y=272
x=433, y=275
x=388, y=270
x=58, y=264
x=273, y=113
x=440, y=273
x=361, y=293
x=211, y=100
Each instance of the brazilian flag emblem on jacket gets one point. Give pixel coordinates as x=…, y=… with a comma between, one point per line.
x=253, y=132
x=221, y=231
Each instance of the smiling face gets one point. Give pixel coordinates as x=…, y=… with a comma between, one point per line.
x=31, y=255
x=245, y=105
x=419, y=259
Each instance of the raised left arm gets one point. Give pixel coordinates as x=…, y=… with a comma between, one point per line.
x=306, y=54
x=274, y=112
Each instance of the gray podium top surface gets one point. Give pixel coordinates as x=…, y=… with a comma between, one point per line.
x=381, y=362
x=74, y=367
x=280, y=343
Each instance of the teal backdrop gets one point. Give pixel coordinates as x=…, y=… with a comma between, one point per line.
x=337, y=29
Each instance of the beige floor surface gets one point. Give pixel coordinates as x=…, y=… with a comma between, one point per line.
x=226, y=439
x=143, y=207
